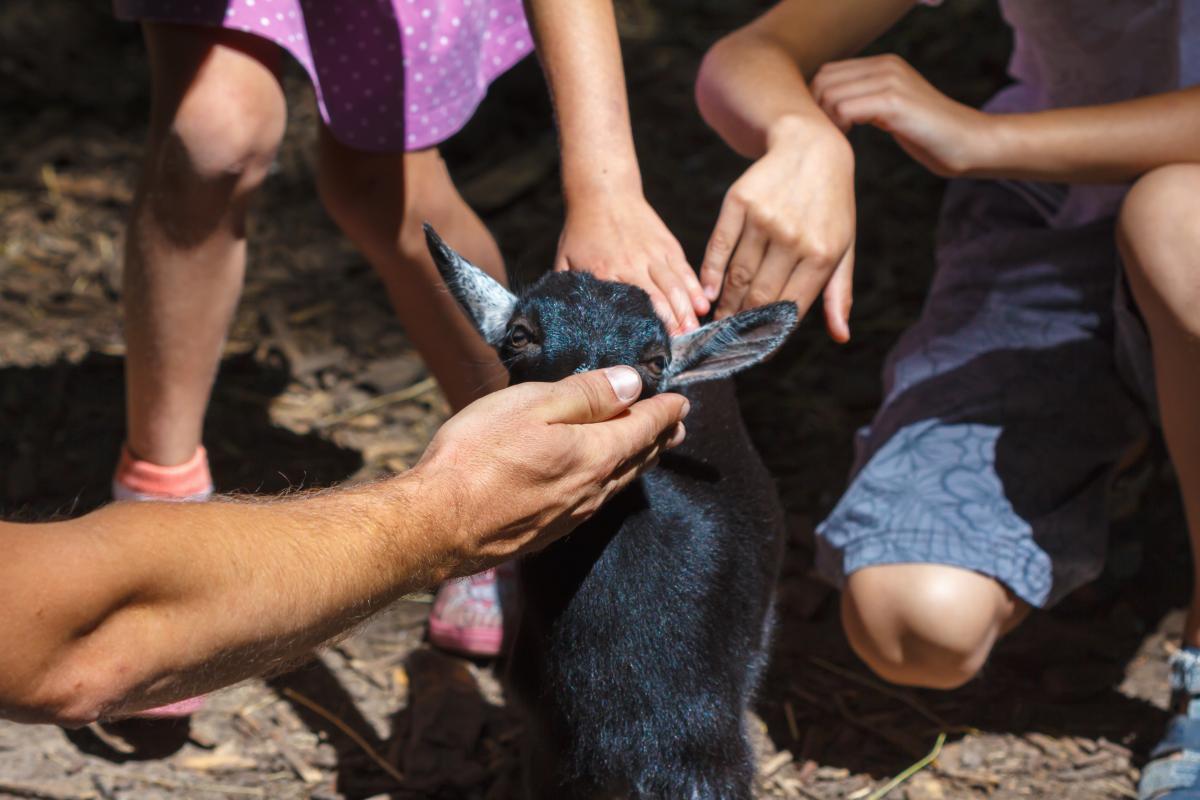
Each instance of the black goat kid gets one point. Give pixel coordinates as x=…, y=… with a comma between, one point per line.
x=642, y=634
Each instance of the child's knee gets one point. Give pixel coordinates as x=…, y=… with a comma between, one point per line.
x=924, y=625
x=225, y=131
x=1159, y=239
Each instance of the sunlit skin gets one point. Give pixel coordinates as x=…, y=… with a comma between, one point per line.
x=611, y=230
x=141, y=604
x=783, y=90
x=218, y=115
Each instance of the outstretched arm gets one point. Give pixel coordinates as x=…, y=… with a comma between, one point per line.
x=140, y=604
x=786, y=228
x=610, y=231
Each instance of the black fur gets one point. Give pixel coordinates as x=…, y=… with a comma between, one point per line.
x=643, y=634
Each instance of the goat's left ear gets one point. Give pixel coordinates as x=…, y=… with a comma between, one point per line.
x=488, y=304
x=719, y=349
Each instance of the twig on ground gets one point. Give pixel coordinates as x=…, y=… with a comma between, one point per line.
x=112, y=740
x=790, y=714
x=193, y=786
x=895, y=741
x=882, y=791
x=384, y=400
x=863, y=680
x=305, y=771
x=36, y=792
x=1121, y=789
x=982, y=779
x=333, y=719
x=774, y=764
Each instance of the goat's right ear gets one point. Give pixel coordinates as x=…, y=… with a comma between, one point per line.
x=720, y=349
x=486, y=301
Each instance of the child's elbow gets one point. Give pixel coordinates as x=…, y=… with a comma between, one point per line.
x=713, y=74
x=716, y=91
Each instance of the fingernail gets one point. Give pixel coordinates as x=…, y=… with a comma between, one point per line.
x=687, y=408
x=711, y=293
x=625, y=381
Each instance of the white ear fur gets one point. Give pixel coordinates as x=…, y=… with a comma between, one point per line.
x=720, y=349
x=486, y=301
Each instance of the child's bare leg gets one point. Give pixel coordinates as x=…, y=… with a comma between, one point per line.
x=1159, y=237
x=381, y=201
x=217, y=117
x=927, y=625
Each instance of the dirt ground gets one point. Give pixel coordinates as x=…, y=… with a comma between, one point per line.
x=320, y=385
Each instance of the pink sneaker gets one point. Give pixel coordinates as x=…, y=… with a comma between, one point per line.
x=467, y=616
x=144, y=481
x=184, y=708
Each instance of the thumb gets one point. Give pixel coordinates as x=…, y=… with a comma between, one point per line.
x=592, y=396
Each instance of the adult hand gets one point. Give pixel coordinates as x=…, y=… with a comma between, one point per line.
x=786, y=227
x=623, y=239
x=945, y=136
x=525, y=465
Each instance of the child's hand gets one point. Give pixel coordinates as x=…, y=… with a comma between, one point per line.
x=786, y=228
x=621, y=238
x=945, y=136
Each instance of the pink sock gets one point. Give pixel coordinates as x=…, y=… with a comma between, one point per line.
x=142, y=480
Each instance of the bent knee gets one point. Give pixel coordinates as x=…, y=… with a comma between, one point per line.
x=223, y=131
x=1158, y=235
x=925, y=625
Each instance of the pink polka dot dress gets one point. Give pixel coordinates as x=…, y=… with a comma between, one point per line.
x=389, y=75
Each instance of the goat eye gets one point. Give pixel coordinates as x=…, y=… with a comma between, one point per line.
x=519, y=336
x=656, y=365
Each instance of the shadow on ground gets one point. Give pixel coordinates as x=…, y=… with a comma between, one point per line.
x=64, y=425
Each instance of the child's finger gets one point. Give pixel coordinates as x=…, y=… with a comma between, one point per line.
x=823, y=85
x=806, y=282
x=772, y=276
x=721, y=243
x=835, y=101
x=889, y=61
x=691, y=284
x=849, y=90
x=671, y=286
x=743, y=266
x=849, y=68
x=839, y=297
x=661, y=306
x=873, y=109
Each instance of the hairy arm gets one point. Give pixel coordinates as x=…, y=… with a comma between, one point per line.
x=143, y=603
x=140, y=604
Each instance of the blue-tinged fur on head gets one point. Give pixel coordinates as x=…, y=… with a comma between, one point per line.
x=570, y=322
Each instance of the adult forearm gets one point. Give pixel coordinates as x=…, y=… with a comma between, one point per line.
x=1094, y=144
x=581, y=57
x=142, y=604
